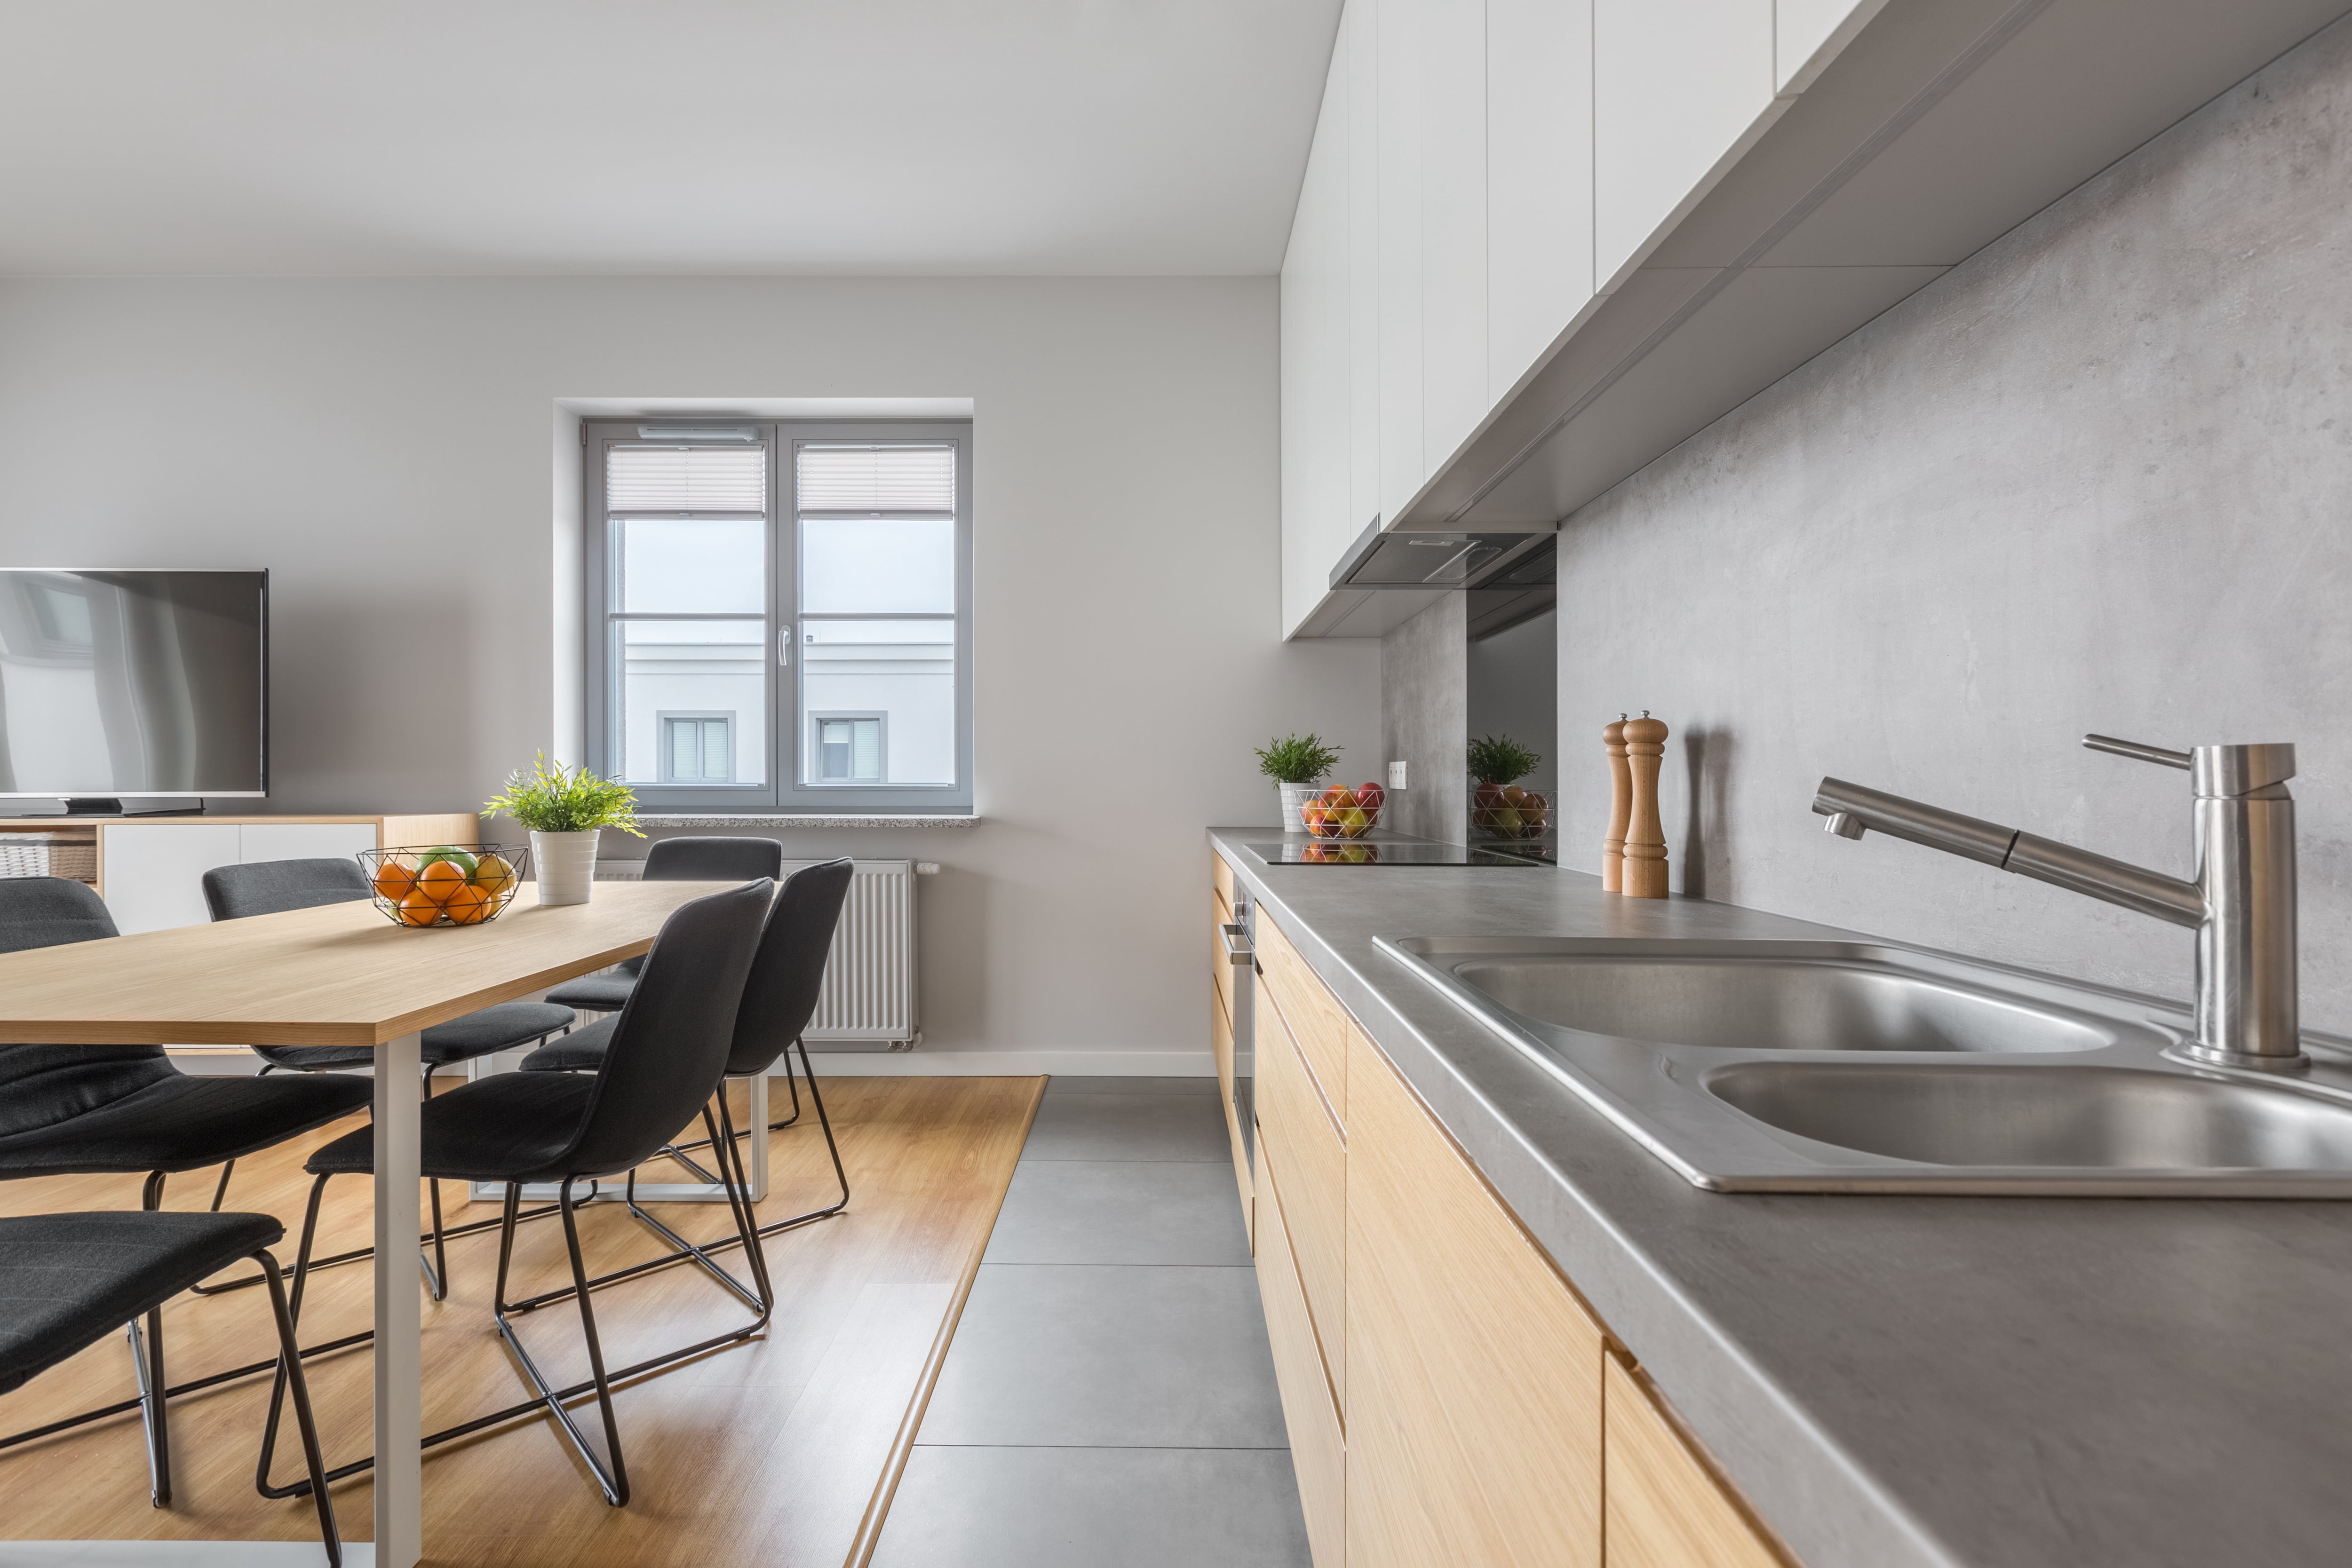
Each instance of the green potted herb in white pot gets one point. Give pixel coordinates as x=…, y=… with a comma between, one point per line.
x=1297, y=764
x=565, y=811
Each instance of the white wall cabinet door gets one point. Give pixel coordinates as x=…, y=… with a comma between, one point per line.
x=1538, y=180
x=1799, y=27
x=1677, y=84
x=1315, y=373
x=1402, y=413
x=1453, y=217
x=303, y=841
x=1359, y=44
x=154, y=871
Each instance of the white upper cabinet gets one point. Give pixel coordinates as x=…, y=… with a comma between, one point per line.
x=1359, y=47
x=1454, y=218
x=1538, y=180
x=1315, y=372
x=1398, y=149
x=1799, y=29
x=1677, y=84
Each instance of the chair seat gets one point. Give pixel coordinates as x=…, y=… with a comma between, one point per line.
x=596, y=993
x=507, y=1127
x=67, y=1279
x=501, y=1028
x=581, y=1051
x=182, y=1123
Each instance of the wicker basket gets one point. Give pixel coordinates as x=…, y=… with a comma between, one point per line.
x=410, y=892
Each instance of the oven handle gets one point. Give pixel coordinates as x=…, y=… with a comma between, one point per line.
x=1238, y=951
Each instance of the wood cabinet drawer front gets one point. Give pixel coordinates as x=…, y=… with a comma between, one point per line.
x=1220, y=1041
x=1314, y=1016
x=1221, y=878
x=1317, y=1449
x=1220, y=967
x=1303, y=1139
x=1665, y=1509
x=1473, y=1375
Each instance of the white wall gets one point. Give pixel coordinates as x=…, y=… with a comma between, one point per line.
x=381, y=446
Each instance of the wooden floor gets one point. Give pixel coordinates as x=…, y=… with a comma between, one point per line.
x=778, y=1453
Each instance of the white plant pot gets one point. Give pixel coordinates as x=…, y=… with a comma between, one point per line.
x=565, y=864
x=1294, y=795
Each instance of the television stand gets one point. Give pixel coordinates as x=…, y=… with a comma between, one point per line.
x=107, y=806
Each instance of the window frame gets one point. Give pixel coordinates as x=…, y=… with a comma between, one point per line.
x=788, y=724
x=816, y=717
x=665, y=750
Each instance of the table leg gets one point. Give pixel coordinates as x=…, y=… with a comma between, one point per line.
x=399, y=1312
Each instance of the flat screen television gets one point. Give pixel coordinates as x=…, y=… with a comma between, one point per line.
x=133, y=683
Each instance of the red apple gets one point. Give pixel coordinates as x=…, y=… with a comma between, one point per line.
x=1370, y=797
x=1513, y=794
x=1331, y=797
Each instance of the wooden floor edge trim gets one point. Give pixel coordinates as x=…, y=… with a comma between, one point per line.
x=902, y=1445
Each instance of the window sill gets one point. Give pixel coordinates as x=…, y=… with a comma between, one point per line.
x=770, y=820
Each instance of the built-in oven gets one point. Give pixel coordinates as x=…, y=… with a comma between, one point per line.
x=1240, y=952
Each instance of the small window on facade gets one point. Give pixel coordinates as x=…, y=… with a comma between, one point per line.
x=697, y=748
x=849, y=749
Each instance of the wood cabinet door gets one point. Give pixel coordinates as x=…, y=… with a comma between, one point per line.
x=1665, y=1509
x=1302, y=1139
x=1318, y=1446
x=1474, y=1376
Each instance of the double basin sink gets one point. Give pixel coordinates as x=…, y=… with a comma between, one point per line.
x=1772, y=1066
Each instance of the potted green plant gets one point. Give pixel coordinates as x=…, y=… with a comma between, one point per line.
x=1297, y=764
x=1497, y=804
x=565, y=809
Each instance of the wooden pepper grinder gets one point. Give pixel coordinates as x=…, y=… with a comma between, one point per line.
x=1620, y=806
x=1646, y=834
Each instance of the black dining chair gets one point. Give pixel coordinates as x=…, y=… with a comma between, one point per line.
x=272, y=887
x=75, y=1110
x=668, y=1052
x=779, y=999
x=67, y=1280
x=674, y=860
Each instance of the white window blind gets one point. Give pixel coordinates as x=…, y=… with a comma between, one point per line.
x=685, y=479
x=877, y=479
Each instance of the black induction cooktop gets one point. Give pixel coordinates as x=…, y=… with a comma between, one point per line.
x=1301, y=848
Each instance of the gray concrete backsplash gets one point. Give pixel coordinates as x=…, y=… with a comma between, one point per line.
x=2097, y=478
x=1425, y=721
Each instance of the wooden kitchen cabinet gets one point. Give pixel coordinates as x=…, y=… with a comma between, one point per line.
x=1665, y=1507
x=1302, y=1138
x=1473, y=1375
x=1222, y=980
x=1309, y=1406
x=1318, y=1023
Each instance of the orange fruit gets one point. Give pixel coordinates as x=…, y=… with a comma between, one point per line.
x=418, y=907
x=439, y=880
x=469, y=906
x=393, y=881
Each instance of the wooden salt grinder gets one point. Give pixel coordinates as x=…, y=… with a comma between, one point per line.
x=1646, y=834
x=1620, y=806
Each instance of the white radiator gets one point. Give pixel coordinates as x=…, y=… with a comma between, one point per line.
x=867, y=1002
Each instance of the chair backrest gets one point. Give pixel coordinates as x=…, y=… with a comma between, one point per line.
x=713, y=859
x=44, y=1083
x=668, y=1052
x=780, y=995
x=270, y=887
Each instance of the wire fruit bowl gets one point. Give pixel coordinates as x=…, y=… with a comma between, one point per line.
x=441, y=884
x=1509, y=812
x=1342, y=813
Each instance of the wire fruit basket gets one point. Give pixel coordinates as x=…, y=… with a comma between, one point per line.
x=441, y=884
x=1340, y=812
x=1509, y=812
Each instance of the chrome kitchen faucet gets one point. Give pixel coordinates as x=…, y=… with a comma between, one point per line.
x=2241, y=904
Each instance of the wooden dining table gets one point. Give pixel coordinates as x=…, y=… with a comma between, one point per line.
x=342, y=974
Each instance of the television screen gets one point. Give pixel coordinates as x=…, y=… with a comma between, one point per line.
x=133, y=683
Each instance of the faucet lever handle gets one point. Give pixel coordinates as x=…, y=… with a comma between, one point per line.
x=2161, y=755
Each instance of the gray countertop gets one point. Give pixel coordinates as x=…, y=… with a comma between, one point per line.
x=1999, y=1382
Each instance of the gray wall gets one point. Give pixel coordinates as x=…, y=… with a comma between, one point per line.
x=2094, y=479
x=1424, y=721
x=400, y=454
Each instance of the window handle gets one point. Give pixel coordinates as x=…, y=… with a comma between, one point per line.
x=784, y=644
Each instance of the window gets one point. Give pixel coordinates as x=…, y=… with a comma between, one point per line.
x=697, y=748
x=780, y=613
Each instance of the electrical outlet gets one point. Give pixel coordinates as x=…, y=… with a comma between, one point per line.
x=1396, y=775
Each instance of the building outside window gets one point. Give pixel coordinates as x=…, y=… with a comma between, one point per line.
x=780, y=613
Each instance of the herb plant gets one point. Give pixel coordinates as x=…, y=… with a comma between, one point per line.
x=1497, y=759
x=1297, y=760
x=558, y=800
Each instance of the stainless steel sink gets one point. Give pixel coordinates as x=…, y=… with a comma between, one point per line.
x=1872, y=1067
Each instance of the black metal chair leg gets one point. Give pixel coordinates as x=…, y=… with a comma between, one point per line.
x=220, y=1190
x=614, y=1481
x=290, y=1370
x=738, y=1206
x=816, y=1098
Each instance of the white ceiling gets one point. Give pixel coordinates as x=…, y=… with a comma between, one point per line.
x=663, y=136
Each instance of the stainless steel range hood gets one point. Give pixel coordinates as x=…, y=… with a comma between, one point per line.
x=1427, y=559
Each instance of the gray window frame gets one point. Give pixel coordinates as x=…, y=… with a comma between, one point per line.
x=788, y=726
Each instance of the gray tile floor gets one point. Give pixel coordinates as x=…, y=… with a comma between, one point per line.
x=1109, y=1398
